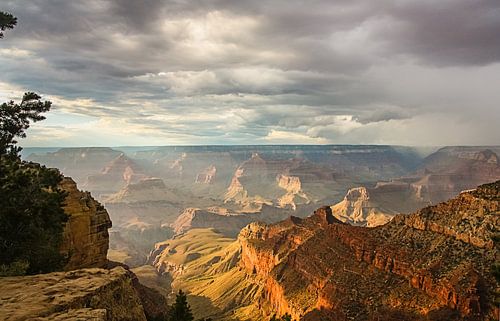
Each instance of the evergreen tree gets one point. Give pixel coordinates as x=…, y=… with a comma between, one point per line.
x=31, y=204
x=7, y=21
x=180, y=310
x=15, y=119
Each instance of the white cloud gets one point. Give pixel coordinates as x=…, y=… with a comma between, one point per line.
x=289, y=137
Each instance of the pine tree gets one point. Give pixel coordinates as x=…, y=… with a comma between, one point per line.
x=31, y=214
x=7, y=21
x=180, y=310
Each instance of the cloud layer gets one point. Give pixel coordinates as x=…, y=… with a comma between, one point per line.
x=154, y=72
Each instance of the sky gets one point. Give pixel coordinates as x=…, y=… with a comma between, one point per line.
x=195, y=72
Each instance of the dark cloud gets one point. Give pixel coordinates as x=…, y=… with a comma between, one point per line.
x=336, y=70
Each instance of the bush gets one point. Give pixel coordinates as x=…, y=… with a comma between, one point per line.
x=15, y=268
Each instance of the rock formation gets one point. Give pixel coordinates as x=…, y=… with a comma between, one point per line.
x=453, y=169
x=144, y=204
x=218, y=218
x=229, y=222
x=434, y=264
x=248, y=176
x=117, y=174
x=85, y=238
x=145, y=190
x=436, y=260
x=207, y=176
x=293, y=188
x=358, y=209
x=376, y=206
x=236, y=191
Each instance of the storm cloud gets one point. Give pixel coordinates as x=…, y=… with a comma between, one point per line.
x=153, y=72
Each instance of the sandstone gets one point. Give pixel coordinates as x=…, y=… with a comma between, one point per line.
x=294, y=193
x=85, y=237
x=86, y=294
x=435, y=261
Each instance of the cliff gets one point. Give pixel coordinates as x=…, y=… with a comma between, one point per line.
x=115, y=175
x=432, y=265
x=85, y=236
x=87, y=294
x=453, y=169
x=294, y=194
x=145, y=190
x=378, y=205
x=358, y=209
x=218, y=218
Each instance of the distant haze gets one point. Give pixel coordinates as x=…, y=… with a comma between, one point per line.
x=154, y=72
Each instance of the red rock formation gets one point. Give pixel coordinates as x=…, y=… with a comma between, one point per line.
x=453, y=169
x=436, y=261
x=85, y=238
x=376, y=206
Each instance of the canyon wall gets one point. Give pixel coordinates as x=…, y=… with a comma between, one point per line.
x=85, y=237
x=436, y=261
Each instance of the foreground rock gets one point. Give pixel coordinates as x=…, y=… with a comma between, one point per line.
x=87, y=294
x=92, y=288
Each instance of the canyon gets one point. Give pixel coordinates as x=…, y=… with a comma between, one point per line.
x=152, y=188
x=317, y=232
x=434, y=264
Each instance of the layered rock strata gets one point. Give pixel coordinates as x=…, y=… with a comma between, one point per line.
x=434, y=264
x=85, y=236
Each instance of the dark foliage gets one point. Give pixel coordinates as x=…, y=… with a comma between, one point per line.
x=15, y=119
x=7, y=21
x=180, y=310
x=31, y=217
